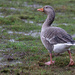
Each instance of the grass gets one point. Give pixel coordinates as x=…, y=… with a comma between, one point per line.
x=28, y=49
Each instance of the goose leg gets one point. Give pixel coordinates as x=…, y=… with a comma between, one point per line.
x=71, y=60
x=50, y=62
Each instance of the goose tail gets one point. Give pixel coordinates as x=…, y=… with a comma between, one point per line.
x=71, y=44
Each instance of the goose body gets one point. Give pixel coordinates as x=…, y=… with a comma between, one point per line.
x=54, y=38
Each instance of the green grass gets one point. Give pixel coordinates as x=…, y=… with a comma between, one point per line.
x=28, y=49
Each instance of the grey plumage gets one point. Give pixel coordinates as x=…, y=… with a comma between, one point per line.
x=57, y=34
x=55, y=38
x=53, y=35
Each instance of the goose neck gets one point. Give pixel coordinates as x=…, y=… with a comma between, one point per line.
x=48, y=21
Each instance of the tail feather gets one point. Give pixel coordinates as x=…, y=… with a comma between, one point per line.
x=70, y=44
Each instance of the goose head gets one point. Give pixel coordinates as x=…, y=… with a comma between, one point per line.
x=46, y=9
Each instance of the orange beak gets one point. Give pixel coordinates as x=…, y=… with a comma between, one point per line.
x=41, y=9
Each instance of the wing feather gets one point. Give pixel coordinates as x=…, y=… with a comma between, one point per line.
x=57, y=35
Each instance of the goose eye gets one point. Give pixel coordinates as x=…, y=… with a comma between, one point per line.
x=46, y=7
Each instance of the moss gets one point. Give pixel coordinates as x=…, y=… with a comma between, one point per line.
x=61, y=62
x=26, y=17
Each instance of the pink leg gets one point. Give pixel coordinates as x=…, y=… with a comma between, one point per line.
x=50, y=62
x=71, y=60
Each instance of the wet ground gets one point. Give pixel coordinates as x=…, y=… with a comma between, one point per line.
x=21, y=51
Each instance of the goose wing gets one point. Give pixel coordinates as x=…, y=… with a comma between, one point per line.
x=57, y=35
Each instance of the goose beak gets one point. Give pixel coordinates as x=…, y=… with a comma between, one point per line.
x=41, y=9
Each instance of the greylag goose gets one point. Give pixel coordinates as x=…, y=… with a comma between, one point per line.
x=54, y=38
